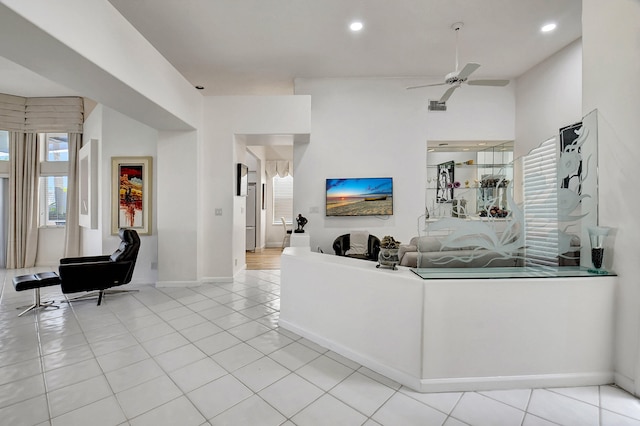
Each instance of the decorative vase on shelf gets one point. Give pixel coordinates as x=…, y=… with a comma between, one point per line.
x=597, y=235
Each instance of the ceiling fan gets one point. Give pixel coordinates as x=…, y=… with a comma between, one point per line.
x=457, y=77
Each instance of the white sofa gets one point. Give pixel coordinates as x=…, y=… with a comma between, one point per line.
x=428, y=252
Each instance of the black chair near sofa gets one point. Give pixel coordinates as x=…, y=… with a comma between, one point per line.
x=100, y=273
x=342, y=244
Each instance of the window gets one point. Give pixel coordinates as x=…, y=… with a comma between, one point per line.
x=54, y=158
x=53, y=200
x=4, y=145
x=282, y=199
x=55, y=146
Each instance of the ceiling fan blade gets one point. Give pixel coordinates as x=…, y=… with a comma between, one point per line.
x=425, y=85
x=488, y=82
x=448, y=93
x=467, y=70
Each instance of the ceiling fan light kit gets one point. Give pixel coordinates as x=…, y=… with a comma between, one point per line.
x=456, y=78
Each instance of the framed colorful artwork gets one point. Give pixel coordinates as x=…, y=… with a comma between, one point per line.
x=131, y=194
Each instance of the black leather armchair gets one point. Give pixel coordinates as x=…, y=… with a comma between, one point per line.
x=99, y=273
x=342, y=244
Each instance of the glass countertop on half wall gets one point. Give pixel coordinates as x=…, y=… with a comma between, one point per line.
x=508, y=272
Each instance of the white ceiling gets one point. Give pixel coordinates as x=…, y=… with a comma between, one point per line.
x=261, y=46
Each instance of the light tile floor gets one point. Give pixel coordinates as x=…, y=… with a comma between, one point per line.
x=214, y=355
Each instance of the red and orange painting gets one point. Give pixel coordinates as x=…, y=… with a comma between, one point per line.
x=131, y=196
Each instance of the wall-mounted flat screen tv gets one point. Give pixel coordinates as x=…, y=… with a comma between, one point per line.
x=242, y=180
x=360, y=197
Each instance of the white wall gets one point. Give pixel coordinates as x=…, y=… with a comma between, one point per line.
x=221, y=254
x=376, y=128
x=50, y=246
x=125, y=137
x=548, y=97
x=177, y=212
x=92, y=129
x=611, y=67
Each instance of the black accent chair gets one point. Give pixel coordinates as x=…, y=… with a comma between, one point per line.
x=100, y=273
x=343, y=243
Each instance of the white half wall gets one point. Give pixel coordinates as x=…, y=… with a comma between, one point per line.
x=377, y=128
x=548, y=97
x=611, y=66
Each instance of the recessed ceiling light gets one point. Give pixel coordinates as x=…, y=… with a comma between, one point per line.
x=200, y=87
x=548, y=27
x=431, y=150
x=465, y=149
x=482, y=144
x=356, y=26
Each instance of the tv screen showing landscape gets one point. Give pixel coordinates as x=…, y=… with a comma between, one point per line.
x=360, y=197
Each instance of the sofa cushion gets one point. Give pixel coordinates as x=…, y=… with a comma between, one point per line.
x=426, y=244
x=358, y=242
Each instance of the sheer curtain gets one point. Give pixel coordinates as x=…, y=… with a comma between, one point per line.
x=72, y=228
x=24, y=163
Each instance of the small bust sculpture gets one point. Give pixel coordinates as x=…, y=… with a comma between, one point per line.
x=302, y=221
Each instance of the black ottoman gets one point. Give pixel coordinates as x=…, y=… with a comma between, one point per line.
x=35, y=282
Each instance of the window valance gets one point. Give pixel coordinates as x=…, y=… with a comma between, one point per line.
x=12, y=111
x=281, y=168
x=58, y=114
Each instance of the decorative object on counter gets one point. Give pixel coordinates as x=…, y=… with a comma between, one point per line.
x=597, y=234
x=466, y=183
x=494, y=211
x=302, y=221
x=494, y=181
x=459, y=208
x=388, y=255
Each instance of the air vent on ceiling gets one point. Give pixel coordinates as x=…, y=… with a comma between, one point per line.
x=437, y=106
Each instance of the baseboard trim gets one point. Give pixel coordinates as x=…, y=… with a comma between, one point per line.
x=534, y=381
x=625, y=383
x=457, y=384
x=164, y=284
x=216, y=280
